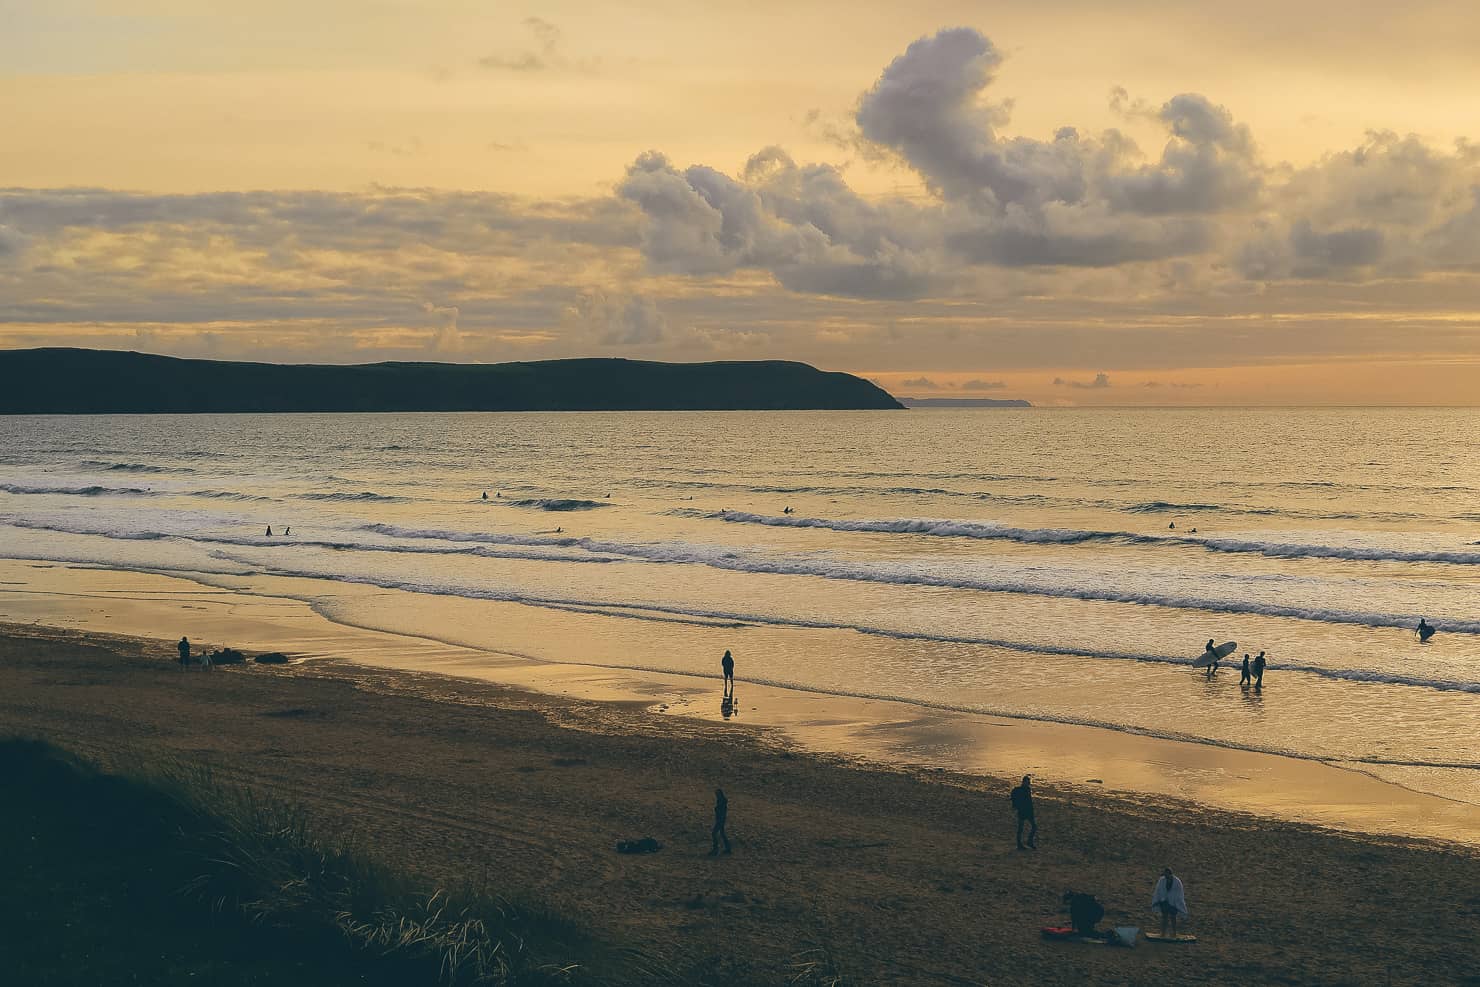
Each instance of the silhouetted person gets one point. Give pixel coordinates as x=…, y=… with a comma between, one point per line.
x=728, y=664
x=1244, y=677
x=1192, y=531
x=269, y=531
x=1425, y=631
x=1084, y=912
x=1213, y=668
x=184, y=647
x=1169, y=900
x=288, y=530
x=1172, y=526
x=1022, y=804
x=1259, y=671
x=485, y=495
x=721, y=813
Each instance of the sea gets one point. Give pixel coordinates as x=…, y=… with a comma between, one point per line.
x=1060, y=565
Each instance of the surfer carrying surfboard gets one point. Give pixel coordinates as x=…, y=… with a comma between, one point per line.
x=1425, y=630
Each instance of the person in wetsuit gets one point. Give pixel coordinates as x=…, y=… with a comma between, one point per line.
x=1259, y=671
x=721, y=814
x=727, y=663
x=1022, y=804
x=1244, y=677
x=1425, y=631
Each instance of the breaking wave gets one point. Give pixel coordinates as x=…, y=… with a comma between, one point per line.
x=1073, y=536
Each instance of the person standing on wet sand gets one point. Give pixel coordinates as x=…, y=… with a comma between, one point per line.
x=1022, y=803
x=721, y=814
x=728, y=664
x=1259, y=672
x=184, y=648
x=1244, y=678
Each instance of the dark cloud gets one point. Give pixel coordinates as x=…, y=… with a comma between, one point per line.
x=804, y=225
x=1100, y=382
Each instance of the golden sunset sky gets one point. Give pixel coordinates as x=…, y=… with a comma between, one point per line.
x=1071, y=202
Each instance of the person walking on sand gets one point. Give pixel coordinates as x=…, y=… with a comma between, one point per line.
x=1022, y=804
x=1245, y=678
x=1170, y=900
x=269, y=532
x=205, y=660
x=721, y=813
x=184, y=648
x=727, y=663
x=1259, y=672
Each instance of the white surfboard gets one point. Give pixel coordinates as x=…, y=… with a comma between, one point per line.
x=1222, y=651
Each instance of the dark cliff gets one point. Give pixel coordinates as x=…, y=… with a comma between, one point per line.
x=76, y=381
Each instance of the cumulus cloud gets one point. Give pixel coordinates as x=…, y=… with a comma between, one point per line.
x=984, y=385
x=1100, y=382
x=1394, y=206
x=803, y=224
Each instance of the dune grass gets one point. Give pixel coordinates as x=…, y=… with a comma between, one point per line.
x=162, y=875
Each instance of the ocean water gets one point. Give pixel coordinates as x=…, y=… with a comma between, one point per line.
x=1018, y=562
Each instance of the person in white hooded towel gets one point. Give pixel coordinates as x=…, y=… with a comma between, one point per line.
x=1169, y=900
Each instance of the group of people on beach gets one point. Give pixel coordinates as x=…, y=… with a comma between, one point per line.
x=286, y=531
x=1252, y=673
x=1169, y=898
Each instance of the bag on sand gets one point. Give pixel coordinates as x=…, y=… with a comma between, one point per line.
x=645, y=845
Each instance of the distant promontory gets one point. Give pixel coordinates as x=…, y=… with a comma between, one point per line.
x=78, y=381
x=965, y=403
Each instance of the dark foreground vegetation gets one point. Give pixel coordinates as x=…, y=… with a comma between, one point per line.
x=170, y=878
x=76, y=381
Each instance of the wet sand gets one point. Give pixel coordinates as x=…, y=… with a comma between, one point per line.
x=902, y=875
x=1090, y=759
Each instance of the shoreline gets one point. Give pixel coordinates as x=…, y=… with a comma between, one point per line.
x=909, y=736
x=898, y=875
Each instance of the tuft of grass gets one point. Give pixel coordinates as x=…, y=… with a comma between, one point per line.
x=250, y=861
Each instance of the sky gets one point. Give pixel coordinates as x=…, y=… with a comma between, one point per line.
x=1077, y=203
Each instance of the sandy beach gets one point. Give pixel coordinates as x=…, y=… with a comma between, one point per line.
x=898, y=876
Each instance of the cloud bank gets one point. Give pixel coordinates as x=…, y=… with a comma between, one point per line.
x=1039, y=245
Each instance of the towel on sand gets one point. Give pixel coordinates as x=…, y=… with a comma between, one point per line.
x=1172, y=896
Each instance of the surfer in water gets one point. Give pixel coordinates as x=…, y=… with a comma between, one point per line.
x=1245, y=679
x=1425, y=631
x=269, y=531
x=1259, y=673
x=485, y=495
